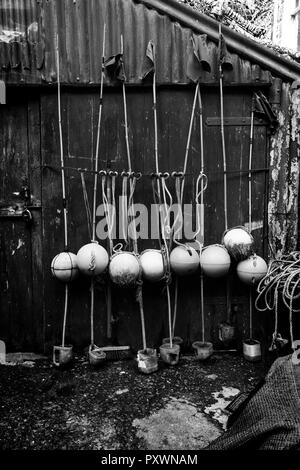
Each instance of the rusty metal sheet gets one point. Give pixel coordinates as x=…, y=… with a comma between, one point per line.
x=80, y=28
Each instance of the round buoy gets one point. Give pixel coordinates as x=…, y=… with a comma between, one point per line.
x=64, y=266
x=152, y=264
x=252, y=270
x=124, y=268
x=215, y=261
x=92, y=259
x=238, y=242
x=184, y=260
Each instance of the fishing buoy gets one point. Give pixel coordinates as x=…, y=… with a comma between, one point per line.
x=252, y=270
x=124, y=268
x=152, y=264
x=184, y=260
x=92, y=259
x=64, y=266
x=215, y=261
x=238, y=242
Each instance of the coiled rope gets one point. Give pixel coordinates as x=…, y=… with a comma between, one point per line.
x=282, y=281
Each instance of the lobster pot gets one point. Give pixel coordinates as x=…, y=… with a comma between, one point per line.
x=215, y=261
x=252, y=270
x=124, y=268
x=92, y=259
x=238, y=242
x=184, y=260
x=64, y=266
x=152, y=265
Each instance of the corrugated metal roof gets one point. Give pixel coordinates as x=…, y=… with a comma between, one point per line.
x=30, y=58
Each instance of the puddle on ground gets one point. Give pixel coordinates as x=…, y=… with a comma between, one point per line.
x=179, y=425
x=216, y=410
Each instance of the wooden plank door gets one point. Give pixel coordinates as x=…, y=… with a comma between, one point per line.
x=21, y=318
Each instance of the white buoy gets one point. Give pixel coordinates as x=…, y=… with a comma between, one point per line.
x=64, y=266
x=152, y=264
x=238, y=242
x=252, y=270
x=184, y=260
x=92, y=259
x=124, y=268
x=215, y=261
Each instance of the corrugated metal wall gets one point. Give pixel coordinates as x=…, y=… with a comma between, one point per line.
x=79, y=25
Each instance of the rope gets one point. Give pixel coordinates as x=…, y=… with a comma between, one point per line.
x=86, y=204
x=282, y=279
x=250, y=209
x=65, y=314
x=188, y=143
x=124, y=209
x=63, y=184
x=96, y=160
x=179, y=183
x=223, y=139
x=96, y=164
x=63, y=181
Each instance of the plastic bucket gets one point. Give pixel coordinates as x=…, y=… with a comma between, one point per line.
x=252, y=350
x=203, y=349
x=147, y=361
x=62, y=355
x=170, y=355
x=96, y=356
x=176, y=340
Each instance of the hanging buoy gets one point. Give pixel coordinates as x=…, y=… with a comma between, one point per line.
x=184, y=260
x=238, y=242
x=92, y=259
x=152, y=264
x=215, y=261
x=124, y=268
x=252, y=270
x=64, y=266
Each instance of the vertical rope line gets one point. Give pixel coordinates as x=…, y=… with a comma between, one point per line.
x=86, y=203
x=111, y=216
x=96, y=163
x=159, y=194
x=228, y=291
x=175, y=307
x=223, y=139
x=250, y=209
x=124, y=209
x=63, y=180
x=250, y=312
x=201, y=209
x=188, y=143
x=92, y=311
x=65, y=314
x=63, y=184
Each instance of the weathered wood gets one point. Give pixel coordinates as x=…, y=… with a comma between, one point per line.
x=79, y=121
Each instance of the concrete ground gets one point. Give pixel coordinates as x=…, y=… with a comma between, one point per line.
x=117, y=407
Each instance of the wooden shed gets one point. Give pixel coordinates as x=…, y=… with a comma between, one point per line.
x=31, y=301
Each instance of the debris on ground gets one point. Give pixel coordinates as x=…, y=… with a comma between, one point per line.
x=116, y=406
